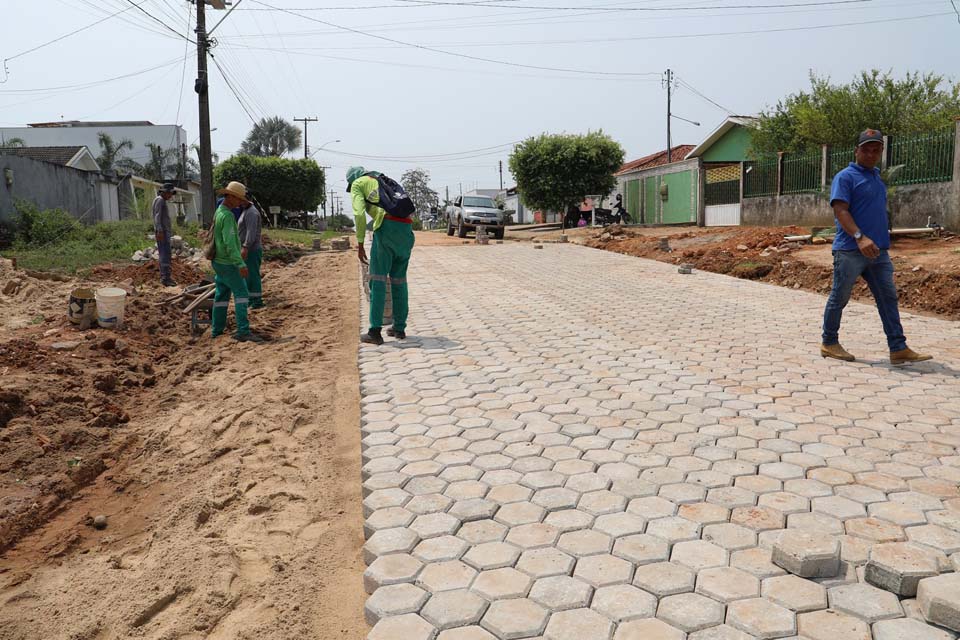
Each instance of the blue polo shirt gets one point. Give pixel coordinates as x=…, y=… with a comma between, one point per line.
x=864, y=192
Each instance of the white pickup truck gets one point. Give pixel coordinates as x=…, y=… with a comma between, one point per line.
x=469, y=212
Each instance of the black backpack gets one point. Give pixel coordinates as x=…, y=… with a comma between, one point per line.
x=393, y=199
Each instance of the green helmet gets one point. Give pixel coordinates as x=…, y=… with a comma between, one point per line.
x=352, y=174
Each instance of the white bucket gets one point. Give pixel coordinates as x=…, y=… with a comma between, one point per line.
x=110, y=305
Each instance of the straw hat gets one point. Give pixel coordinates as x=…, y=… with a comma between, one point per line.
x=234, y=189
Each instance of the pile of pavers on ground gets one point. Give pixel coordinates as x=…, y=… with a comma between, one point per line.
x=179, y=248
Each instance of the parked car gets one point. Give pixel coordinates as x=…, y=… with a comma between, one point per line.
x=468, y=212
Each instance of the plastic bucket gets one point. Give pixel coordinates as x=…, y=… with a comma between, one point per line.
x=110, y=305
x=82, y=308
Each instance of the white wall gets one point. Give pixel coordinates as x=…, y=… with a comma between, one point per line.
x=166, y=135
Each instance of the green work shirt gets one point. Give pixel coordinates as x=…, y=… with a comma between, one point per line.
x=227, y=238
x=363, y=193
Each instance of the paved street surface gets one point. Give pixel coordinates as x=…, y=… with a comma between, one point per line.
x=581, y=445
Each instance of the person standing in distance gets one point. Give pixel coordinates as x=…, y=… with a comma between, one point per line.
x=861, y=249
x=163, y=230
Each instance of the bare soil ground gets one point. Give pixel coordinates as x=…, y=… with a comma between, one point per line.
x=927, y=268
x=228, y=472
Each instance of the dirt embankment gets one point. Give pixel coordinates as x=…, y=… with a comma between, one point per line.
x=220, y=467
x=927, y=269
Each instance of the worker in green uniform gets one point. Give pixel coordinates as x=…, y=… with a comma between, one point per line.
x=229, y=266
x=392, y=244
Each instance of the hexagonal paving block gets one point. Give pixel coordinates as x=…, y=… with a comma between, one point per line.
x=603, y=569
x=642, y=548
x=432, y=525
x=897, y=513
x=699, y=554
x=761, y=618
x=865, y=602
x=516, y=618
x=935, y=536
x=502, y=583
x=648, y=629
x=899, y=567
x=474, y=509
x=584, y=543
x=391, y=569
x=756, y=561
x=558, y=593
x=569, y=520
x=939, y=600
x=623, y=602
x=620, y=524
x=807, y=555
x=556, y=498
x=757, y=518
x=664, y=578
x=394, y=600
x=690, y=611
x=397, y=540
x=472, y=632
x=492, y=555
x=838, y=507
x=874, y=529
x=388, y=518
x=482, y=531
x=908, y=629
x=720, y=632
x=439, y=549
x=532, y=536
x=578, y=624
x=727, y=584
x=674, y=529
x=548, y=561
x=795, y=593
x=517, y=513
x=409, y=626
x=600, y=502
x=445, y=576
x=704, y=513
x=453, y=609
x=829, y=624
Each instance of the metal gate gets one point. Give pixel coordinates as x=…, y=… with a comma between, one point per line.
x=722, y=196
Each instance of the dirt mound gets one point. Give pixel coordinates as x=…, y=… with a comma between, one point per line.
x=927, y=273
x=183, y=272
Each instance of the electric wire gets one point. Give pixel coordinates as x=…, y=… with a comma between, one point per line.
x=955, y=9
x=223, y=74
x=463, y=55
x=84, y=85
x=159, y=21
x=687, y=85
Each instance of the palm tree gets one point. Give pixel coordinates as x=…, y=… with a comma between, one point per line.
x=272, y=137
x=112, y=154
x=13, y=143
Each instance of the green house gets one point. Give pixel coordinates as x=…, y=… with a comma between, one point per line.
x=721, y=157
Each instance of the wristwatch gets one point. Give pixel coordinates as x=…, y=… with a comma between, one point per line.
x=857, y=235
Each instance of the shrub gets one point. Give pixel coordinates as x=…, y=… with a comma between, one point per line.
x=35, y=227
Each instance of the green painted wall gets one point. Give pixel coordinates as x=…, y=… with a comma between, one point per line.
x=680, y=204
x=731, y=147
x=633, y=199
x=650, y=199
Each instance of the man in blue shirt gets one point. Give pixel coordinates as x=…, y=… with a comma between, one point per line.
x=860, y=248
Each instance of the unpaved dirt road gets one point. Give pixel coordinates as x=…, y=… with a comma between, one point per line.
x=235, y=510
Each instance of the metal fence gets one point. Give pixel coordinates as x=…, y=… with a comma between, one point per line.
x=802, y=173
x=760, y=178
x=838, y=160
x=927, y=157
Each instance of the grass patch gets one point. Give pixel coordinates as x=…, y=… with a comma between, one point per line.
x=88, y=246
x=297, y=236
x=751, y=270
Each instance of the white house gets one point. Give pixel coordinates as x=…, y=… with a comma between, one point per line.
x=74, y=133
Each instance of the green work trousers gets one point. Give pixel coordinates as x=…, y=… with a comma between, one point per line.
x=229, y=281
x=254, y=281
x=389, y=257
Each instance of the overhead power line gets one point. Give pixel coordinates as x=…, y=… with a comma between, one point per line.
x=230, y=86
x=955, y=9
x=686, y=84
x=460, y=55
x=84, y=85
x=158, y=20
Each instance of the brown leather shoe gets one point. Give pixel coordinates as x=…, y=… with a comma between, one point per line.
x=907, y=355
x=836, y=351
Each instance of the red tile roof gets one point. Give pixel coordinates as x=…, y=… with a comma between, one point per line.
x=656, y=159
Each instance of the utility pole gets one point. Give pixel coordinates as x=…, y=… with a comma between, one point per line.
x=202, y=86
x=501, y=175
x=669, y=89
x=306, y=122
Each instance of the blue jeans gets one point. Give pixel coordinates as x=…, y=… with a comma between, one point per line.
x=163, y=249
x=878, y=273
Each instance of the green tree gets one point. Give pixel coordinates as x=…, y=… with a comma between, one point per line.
x=113, y=154
x=272, y=137
x=416, y=182
x=13, y=143
x=554, y=172
x=836, y=113
x=295, y=185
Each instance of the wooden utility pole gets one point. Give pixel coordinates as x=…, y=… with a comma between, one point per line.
x=501, y=175
x=202, y=86
x=306, y=122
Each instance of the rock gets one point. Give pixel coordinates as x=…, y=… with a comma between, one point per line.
x=64, y=346
x=11, y=287
x=605, y=236
x=917, y=268
x=50, y=332
x=176, y=242
x=742, y=247
x=765, y=253
x=137, y=256
x=100, y=522
x=808, y=555
x=121, y=346
x=818, y=240
x=109, y=344
x=105, y=382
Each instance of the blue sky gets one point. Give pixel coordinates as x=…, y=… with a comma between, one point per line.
x=408, y=106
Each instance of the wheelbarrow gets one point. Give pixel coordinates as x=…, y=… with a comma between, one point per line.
x=198, y=300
